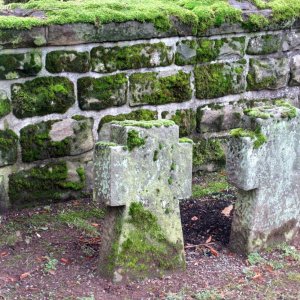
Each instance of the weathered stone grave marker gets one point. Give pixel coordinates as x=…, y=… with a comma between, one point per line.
x=141, y=170
x=263, y=164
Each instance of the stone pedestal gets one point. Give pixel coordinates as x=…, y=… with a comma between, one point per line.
x=141, y=170
x=262, y=163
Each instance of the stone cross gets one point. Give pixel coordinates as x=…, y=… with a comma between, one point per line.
x=141, y=170
x=263, y=164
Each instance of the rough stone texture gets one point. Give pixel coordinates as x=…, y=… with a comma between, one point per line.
x=130, y=57
x=8, y=147
x=291, y=41
x=56, y=138
x=3, y=195
x=206, y=50
x=265, y=44
x=184, y=118
x=100, y=93
x=208, y=154
x=138, y=115
x=13, y=66
x=150, y=88
x=295, y=71
x=46, y=184
x=42, y=96
x=220, y=79
x=67, y=61
x=5, y=106
x=268, y=73
x=140, y=173
x=215, y=118
x=14, y=38
x=267, y=175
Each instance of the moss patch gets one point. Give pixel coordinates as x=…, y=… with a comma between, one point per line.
x=134, y=140
x=130, y=57
x=42, y=96
x=8, y=147
x=142, y=254
x=5, y=106
x=145, y=124
x=67, y=61
x=219, y=79
x=148, y=88
x=138, y=115
x=258, y=138
x=101, y=93
x=13, y=66
x=44, y=184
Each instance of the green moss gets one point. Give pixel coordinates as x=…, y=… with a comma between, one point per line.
x=101, y=93
x=145, y=124
x=148, y=88
x=37, y=144
x=43, y=184
x=265, y=44
x=219, y=79
x=186, y=120
x=130, y=57
x=137, y=115
x=209, y=50
x=42, y=96
x=67, y=61
x=13, y=66
x=291, y=111
x=186, y=140
x=211, y=188
x=106, y=144
x=134, y=140
x=142, y=253
x=256, y=22
x=5, y=107
x=258, y=138
x=8, y=147
x=155, y=155
x=207, y=151
x=257, y=112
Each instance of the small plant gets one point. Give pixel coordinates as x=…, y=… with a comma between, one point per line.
x=208, y=295
x=290, y=251
x=255, y=259
x=50, y=265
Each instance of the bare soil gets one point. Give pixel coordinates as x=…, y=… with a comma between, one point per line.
x=43, y=258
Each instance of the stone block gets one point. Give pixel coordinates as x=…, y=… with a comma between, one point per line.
x=18, y=65
x=150, y=88
x=138, y=115
x=46, y=183
x=5, y=106
x=8, y=147
x=217, y=117
x=295, y=71
x=56, y=138
x=106, y=60
x=291, y=41
x=268, y=73
x=101, y=93
x=67, y=61
x=220, y=79
x=184, y=118
x=140, y=172
x=205, y=50
x=18, y=38
x=265, y=44
x=262, y=162
x=42, y=96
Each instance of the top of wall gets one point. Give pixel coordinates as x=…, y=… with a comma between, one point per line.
x=55, y=22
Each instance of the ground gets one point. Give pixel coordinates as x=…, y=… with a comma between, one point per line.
x=51, y=253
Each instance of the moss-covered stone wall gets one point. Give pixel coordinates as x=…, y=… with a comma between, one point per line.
x=59, y=85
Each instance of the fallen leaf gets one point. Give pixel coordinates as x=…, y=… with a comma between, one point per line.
x=213, y=251
x=95, y=225
x=8, y=279
x=208, y=240
x=269, y=268
x=194, y=218
x=3, y=254
x=65, y=261
x=257, y=276
x=227, y=210
x=24, y=275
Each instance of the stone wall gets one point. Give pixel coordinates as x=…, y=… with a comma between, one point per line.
x=60, y=84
